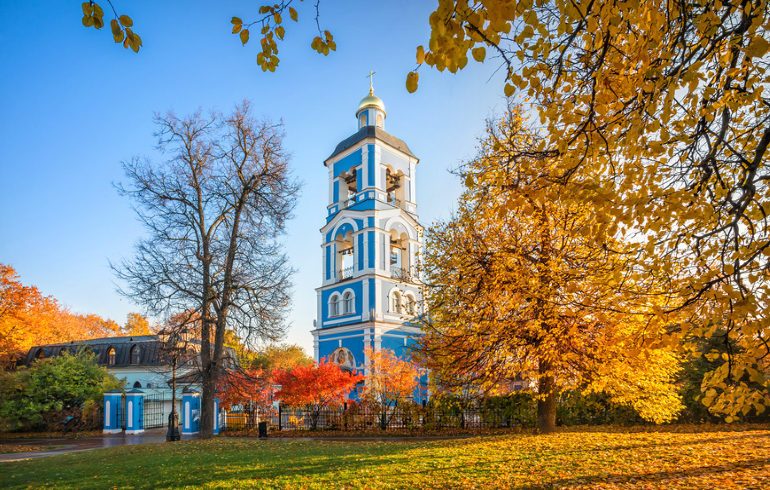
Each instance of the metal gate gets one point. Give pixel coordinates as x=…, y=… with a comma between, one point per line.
x=121, y=408
x=153, y=410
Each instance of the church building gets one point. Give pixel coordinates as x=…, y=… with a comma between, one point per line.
x=370, y=245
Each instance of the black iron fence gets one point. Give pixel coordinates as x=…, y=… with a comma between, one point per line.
x=405, y=416
x=249, y=418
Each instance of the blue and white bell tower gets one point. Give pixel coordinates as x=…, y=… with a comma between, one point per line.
x=370, y=244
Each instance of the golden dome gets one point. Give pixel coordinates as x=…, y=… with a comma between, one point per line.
x=371, y=100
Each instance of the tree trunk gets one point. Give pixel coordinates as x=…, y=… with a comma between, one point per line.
x=546, y=403
x=207, y=404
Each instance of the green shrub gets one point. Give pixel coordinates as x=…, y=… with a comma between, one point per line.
x=42, y=395
x=574, y=408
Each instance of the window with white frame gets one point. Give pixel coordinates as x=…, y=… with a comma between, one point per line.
x=396, y=306
x=334, y=309
x=348, y=303
x=411, y=308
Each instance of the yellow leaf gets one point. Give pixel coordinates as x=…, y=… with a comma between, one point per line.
x=420, y=55
x=293, y=14
x=479, y=54
x=758, y=47
x=237, y=28
x=411, y=81
x=245, y=36
x=236, y=21
x=126, y=21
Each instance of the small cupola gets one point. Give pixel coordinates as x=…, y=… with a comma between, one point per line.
x=371, y=110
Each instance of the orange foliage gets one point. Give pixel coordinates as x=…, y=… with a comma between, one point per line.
x=317, y=386
x=238, y=387
x=28, y=318
x=389, y=378
x=137, y=324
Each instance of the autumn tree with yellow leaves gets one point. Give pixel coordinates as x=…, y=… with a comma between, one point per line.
x=660, y=110
x=525, y=283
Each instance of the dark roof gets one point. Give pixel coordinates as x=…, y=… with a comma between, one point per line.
x=150, y=350
x=372, y=132
x=150, y=353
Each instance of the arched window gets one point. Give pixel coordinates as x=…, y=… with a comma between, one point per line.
x=349, y=303
x=40, y=354
x=410, y=305
x=334, y=307
x=111, y=357
x=361, y=120
x=380, y=120
x=396, y=307
x=137, y=384
x=135, y=354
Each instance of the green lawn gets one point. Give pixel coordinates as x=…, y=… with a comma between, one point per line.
x=600, y=458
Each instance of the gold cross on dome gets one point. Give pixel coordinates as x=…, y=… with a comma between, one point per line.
x=370, y=76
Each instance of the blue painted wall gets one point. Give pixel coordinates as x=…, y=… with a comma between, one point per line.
x=372, y=294
x=358, y=290
x=396, y=344
x=361, y=252
x=350, y=161
x=371, y=244
x=370, y=164
x=327, y=251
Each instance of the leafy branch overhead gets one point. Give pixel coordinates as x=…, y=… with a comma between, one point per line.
x=93, y=16
x=271, y=27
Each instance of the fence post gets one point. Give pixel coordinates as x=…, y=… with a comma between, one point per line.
x=345, y=415
x=279, y=416
x=191, y=405
x=112, y=400
x=216, y=415
x=135, y=411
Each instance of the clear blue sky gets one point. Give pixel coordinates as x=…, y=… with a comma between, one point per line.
x=73, y=105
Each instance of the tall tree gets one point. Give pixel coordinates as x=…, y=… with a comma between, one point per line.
x=214, y=211
x=661, y=109
x=525, y=283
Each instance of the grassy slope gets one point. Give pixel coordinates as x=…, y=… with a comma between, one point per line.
x=599, y=459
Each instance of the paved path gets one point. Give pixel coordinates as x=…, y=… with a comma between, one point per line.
x=64, y=446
